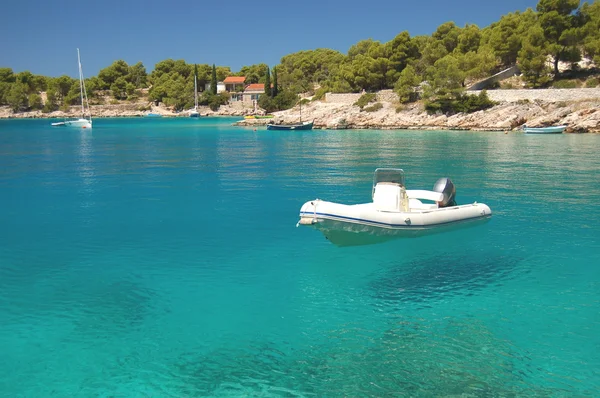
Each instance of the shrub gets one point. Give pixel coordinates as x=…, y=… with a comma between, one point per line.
x=461, y=104
x=373, y=108
x=216, y=101
x=50, y=105
x=523, y=101
x=319, y=94
x=35, y=101
x=283, y=100
x=366, y=99
x=565, y=84
x=593, y=82
x=399, y=108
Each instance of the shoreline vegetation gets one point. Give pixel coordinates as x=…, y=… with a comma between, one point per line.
x=512, y=109
x=467, y=78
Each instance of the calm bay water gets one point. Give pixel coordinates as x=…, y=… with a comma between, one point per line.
x=160, y=258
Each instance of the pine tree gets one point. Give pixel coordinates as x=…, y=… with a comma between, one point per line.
x=275, y=90
x=213, y=81
x=268, y=83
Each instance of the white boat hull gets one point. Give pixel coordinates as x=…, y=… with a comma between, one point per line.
x=545, y=130
x=364, y=224
x=82, y=122
x=79, y=123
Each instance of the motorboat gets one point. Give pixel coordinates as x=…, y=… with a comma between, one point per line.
x=544, y=130
x=394, y=212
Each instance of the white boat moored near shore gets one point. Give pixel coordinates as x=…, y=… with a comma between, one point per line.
x=82, y=122
x=544, y=130
x=394, y=212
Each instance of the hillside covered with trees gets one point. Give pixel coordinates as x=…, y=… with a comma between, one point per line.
x=436, y=68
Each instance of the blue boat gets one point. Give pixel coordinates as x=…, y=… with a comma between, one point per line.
x=295, y=126
x=153, y=115
x=544, y=130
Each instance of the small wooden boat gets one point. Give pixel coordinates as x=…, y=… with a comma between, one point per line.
x=544, y=130
x=295, y=126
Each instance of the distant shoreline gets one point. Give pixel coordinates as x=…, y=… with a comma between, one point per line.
x=580, y=111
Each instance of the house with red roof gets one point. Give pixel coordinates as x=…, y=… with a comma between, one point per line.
x=238, y=91
x=234, y=83
x=253, y=91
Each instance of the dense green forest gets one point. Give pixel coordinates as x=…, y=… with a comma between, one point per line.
x=435, y=68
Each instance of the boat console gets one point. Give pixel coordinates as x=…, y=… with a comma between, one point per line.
x=390, y=194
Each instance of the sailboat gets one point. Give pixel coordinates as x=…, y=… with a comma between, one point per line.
x=194, y=112
x=82, y=122
x=294, y=126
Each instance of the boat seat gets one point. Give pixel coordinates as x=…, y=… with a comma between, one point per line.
x=425, y=195
x=416, y=204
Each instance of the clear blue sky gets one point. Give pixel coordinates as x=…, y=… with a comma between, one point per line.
x=42, y=36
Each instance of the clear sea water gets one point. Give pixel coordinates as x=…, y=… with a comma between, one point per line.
x=160, y=258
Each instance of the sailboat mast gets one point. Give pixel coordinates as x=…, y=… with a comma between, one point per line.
x=83, y=91
x=195, y=92
x=80, y=85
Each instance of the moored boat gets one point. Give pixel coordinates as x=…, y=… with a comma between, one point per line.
x=544, y=130
x=394, y=212
x=82, y=122
x=294, y=126
x=194, y=112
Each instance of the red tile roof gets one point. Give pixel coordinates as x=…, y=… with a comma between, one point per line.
x=234, y=79
x=255, y=87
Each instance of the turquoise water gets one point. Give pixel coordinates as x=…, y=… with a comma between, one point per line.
x=159, y=257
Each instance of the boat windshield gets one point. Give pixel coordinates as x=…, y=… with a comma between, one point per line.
x=394, y=176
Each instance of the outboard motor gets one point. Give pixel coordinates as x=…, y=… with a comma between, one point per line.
x=446, y=187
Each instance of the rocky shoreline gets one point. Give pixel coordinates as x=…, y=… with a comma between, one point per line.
x=580, y=112
x=580, y=117
x=121, y=110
